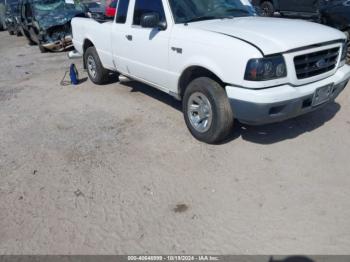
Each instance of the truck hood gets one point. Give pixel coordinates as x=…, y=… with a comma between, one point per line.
x=272, y=35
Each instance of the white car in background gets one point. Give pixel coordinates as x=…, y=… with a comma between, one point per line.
x=219, y=58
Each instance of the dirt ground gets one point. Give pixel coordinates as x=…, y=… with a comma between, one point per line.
x=113, y=170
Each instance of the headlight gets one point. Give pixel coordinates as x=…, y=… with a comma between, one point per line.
x=268, y=68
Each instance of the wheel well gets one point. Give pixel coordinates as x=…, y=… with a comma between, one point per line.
x=271, y=1
x=192, y=73
x=86, y=45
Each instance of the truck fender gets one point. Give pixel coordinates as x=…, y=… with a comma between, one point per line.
x=201, y=65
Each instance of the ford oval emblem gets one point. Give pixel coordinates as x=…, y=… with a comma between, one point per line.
x=321, y=63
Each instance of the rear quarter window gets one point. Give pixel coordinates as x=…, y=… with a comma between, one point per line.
x=122, y=11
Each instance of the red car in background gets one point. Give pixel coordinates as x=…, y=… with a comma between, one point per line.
x=111, y=8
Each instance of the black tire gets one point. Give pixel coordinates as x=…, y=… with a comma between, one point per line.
x=31, y=42
x=3, y=26
x=18, y=33
x=267, y=8
x=101, y=75
x=222, y=115
x=11, y=32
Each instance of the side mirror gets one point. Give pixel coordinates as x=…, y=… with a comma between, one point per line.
x=152, y=20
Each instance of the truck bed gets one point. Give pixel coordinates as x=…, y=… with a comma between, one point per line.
x=96, y=32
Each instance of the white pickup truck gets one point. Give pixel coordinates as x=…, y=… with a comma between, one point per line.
x=219, y=58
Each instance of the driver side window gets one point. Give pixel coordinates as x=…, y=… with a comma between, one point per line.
x=148, y=6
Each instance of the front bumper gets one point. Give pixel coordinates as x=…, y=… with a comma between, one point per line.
x=275, y=104
x=59, y=45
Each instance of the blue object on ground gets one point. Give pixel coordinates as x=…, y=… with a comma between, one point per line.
x=73, y=73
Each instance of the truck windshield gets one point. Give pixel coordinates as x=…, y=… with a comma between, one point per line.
x=186, y=11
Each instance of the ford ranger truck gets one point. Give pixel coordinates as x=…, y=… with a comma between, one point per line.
x=218, y=57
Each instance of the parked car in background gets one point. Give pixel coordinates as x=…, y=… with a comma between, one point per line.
x=219, y=58
x=47, y=23
x=93, y=6
x=302, y=7
x=334, y=13
x=12, y=18
x=111, y=8
x=94, y=10
x=2, y=14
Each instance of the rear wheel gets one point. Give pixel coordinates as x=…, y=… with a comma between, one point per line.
x=207, y=111
x=267, y=8
x=97, y=73
x=11, y=32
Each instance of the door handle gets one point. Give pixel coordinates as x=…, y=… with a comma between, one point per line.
x=129, y=37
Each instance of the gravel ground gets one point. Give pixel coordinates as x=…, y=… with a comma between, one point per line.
x=113, y=170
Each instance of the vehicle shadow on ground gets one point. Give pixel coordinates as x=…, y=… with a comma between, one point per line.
x=289, y=129
x=266, y=134
x=154, y=93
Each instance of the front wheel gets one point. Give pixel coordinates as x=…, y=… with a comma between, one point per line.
x=207, y=111
x=267, y=8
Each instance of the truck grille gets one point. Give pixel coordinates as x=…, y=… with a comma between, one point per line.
x=317, y=63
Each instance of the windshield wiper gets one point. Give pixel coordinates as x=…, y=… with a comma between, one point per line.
x=202, y=18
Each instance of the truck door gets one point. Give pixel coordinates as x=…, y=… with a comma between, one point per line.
x=148, y=48
x=119, y=43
